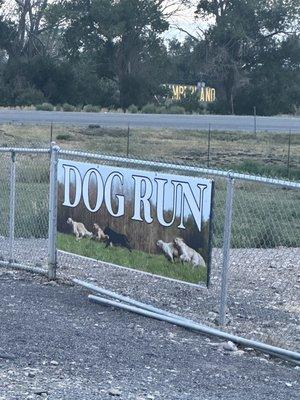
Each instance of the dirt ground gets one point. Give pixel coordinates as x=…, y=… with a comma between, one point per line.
x=56, y=345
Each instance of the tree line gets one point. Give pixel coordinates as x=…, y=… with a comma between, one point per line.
x=114, y=54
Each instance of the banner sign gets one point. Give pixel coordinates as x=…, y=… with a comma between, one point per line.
x=151, y=221
x=205, y=93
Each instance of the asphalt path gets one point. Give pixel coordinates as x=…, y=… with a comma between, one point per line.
x=189, y=122
x=56, y=345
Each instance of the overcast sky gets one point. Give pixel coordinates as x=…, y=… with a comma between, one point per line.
x=184, y=19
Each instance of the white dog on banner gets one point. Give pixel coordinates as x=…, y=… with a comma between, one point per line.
x=187, y=254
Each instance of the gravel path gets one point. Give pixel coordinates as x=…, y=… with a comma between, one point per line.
x=263, y=297
x=55, y=345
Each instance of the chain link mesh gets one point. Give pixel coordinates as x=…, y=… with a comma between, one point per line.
x=5, y=164
x=265, y=263
x=263, y=295
x=29, y=244
x=263, y=301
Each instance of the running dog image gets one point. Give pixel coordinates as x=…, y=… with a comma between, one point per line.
x=115, y=238
x=169, y=250
x=187, y=254
x=100, y=235
x=79, y=229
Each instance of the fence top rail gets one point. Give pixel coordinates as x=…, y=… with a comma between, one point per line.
x=24, y=150
x=187, y=168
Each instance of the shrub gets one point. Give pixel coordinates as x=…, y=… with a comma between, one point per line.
x=68, y=107
x=44, y=107
x=91, y=108
x=30, y=96
x=149, y=108
x=175, y=110
x=58, y=107
x=161, y=110
x=132, y=109
x=191, y=103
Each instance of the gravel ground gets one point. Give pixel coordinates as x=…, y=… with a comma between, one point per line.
x=55, y=345
x=263, y=296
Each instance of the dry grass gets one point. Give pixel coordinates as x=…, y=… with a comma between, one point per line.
x=264, y=153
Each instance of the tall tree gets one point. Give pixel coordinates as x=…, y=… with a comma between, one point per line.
x=240, y=29
x=27, y=22
x=122, y=37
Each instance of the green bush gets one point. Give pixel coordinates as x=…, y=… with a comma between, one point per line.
x=132, y=109
x=191, y=103
x=58, y=107
x=44, y=107
x=68, y=107
x=149, y=108
x=30, y=96
x=175, y=110
x=91, y=108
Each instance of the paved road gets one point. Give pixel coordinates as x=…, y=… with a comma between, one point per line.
x=55, y=345
x=218, y=122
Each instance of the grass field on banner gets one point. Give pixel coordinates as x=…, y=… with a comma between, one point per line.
x=155, y=264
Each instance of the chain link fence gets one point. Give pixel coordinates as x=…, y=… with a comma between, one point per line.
x=263, y=295
x=24, y=208
x=255, y=285
x=5, y=167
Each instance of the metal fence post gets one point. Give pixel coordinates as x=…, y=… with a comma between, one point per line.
x=52, y=233
x=12, y=197
x=208, y=146
x=128, y=141
x=289, y=156
x=226, y=248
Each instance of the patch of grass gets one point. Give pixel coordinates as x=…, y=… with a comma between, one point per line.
x=263, y=154
x=64, y=136
x=256, y=168
x=31, y=213
x=264, y=216
x=156, y=264
x=96, y=130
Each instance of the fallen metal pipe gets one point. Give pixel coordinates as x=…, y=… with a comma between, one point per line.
x=127, y=300
x=35, y=270
x=286, y=354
